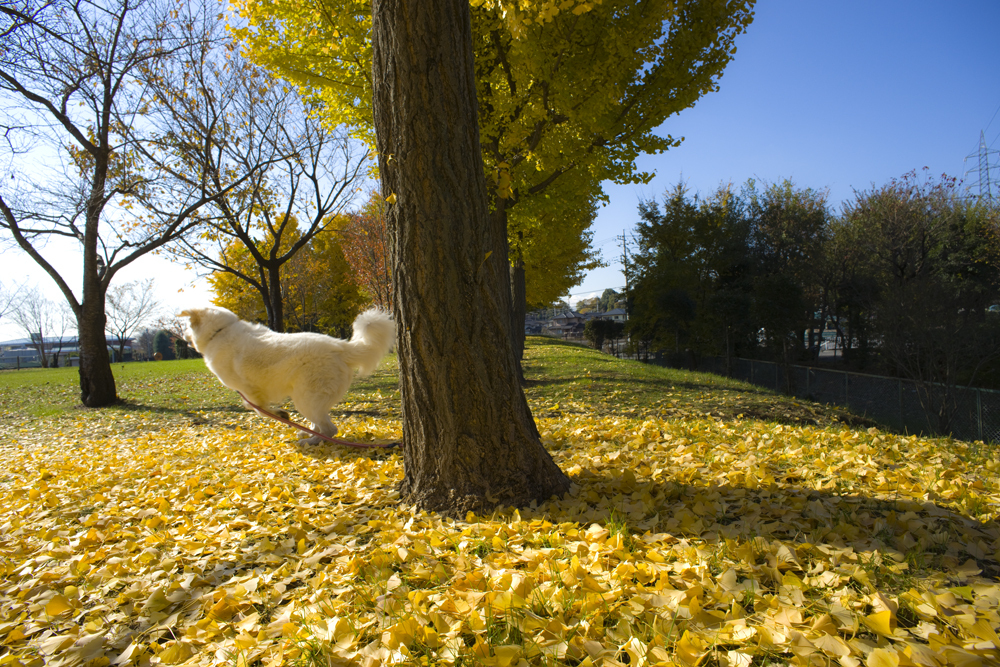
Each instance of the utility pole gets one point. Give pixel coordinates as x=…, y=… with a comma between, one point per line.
x=624, y=241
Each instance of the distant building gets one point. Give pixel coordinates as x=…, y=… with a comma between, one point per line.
x=533, y=325
x=20, y=353
x=615, y=315
x=566, y=324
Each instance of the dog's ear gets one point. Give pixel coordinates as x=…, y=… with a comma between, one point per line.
x=194, y=316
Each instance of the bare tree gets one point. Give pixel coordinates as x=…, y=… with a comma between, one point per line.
x=173, y=325
x=43, y=322
x=129, y=306
x=7, y=298
x=144, y=344
x=88, y=158
x=304, y=175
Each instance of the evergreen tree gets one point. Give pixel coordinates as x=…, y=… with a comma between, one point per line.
x=161, y=345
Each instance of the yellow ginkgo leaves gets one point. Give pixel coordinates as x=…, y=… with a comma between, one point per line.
x=687, y=539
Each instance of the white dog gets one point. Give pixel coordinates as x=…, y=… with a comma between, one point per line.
x=267, y=367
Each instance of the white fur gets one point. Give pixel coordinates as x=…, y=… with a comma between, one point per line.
x=268, y=367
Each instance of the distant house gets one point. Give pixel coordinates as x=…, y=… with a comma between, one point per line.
x=567, y=324
x=615, y=315
x=533, y=326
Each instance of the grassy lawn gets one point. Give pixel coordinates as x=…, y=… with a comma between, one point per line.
x=710, y=523
x=563, y=378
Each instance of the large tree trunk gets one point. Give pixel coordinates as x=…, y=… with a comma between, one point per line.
x=97, y=383
x=469, y=441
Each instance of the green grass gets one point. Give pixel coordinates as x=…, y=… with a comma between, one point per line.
x=568, y=378
x=562, y=378
x=162, y=386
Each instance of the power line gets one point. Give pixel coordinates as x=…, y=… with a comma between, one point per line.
x=995, y=137
x=992, y=118
x=604, y=242
x=597, y=291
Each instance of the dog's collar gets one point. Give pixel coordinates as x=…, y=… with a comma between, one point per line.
x=215, y=334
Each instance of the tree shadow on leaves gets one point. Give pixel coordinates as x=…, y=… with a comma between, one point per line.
x=894, y=540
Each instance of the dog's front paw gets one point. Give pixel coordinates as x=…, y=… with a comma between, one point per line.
x=312, y=442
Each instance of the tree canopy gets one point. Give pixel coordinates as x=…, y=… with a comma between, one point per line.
x=730, y=272
x=904, y=280
x=561, y=86
x=568, y=93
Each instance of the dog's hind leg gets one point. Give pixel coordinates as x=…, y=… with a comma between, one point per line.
x=318, y=413
x=321, y=424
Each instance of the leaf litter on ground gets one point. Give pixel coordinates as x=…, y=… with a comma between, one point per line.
x=174, y=530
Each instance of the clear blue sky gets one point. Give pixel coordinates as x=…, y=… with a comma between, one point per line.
x=836, y=95
x=832, y=95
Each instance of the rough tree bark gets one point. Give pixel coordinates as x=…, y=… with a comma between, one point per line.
x=519, y=307
x=97, y=383
x=469, y=440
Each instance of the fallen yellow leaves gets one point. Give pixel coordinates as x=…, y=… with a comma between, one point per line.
x=683, y=542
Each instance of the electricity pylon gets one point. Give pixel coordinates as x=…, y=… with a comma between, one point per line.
x=986, y=185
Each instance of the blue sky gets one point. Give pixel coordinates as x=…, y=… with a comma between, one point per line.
x=836, y=95
x=832, y=95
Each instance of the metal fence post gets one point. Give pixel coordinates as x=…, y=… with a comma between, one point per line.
x=979, y=412
x=901, y=422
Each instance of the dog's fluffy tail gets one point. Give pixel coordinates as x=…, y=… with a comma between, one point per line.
x=374, y=335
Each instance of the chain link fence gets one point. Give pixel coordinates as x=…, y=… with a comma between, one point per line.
x=967, y=413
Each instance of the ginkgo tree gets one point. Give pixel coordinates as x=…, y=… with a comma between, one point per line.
x=549, y=248
x=564, y=88
x=469, y=441
x=578, y=90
